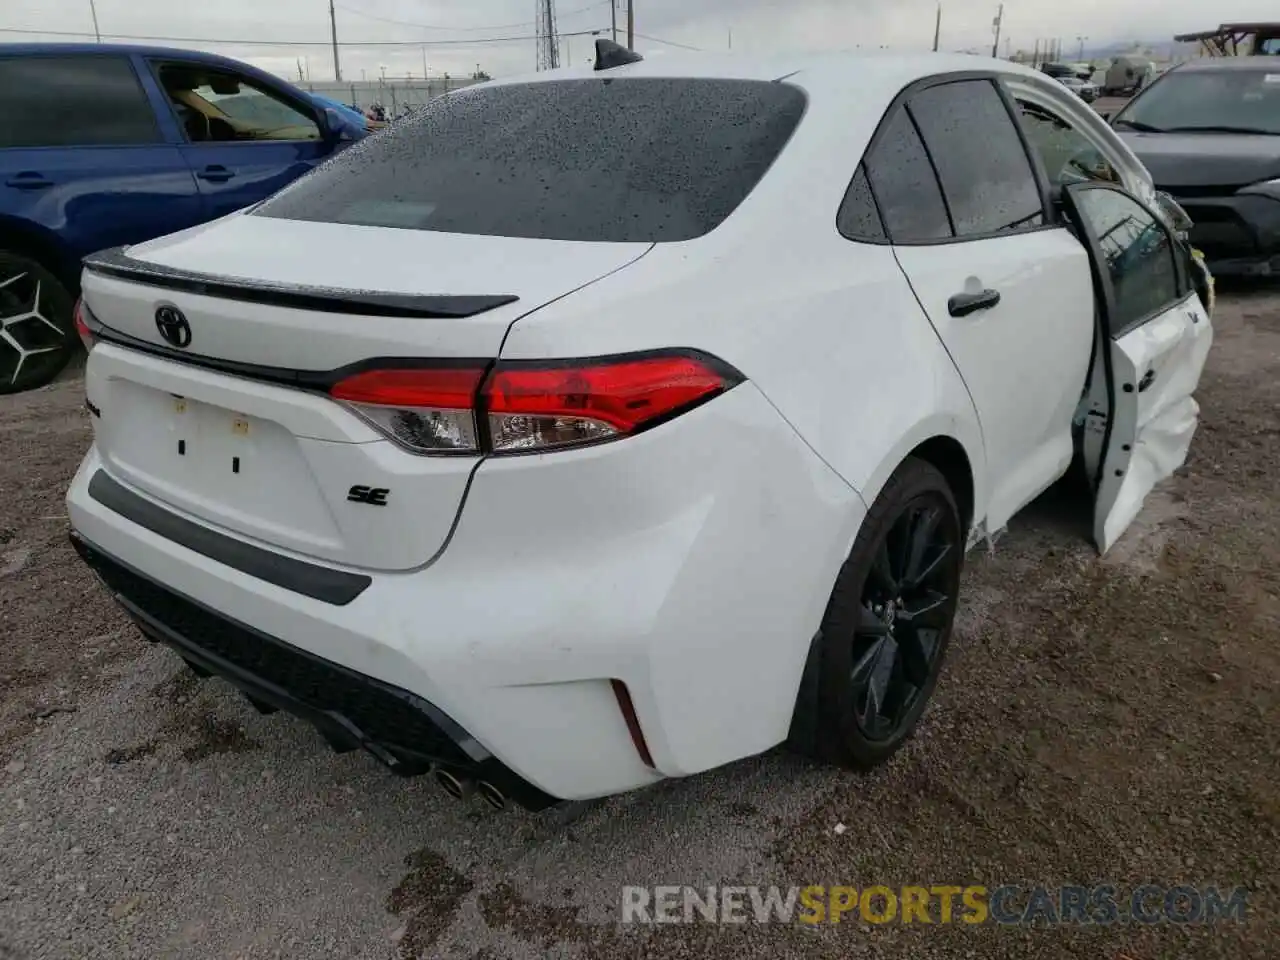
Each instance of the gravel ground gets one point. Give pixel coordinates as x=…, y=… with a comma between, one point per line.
x=1099, y=720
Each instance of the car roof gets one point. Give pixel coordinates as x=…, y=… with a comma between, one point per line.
x=882, y=72
x=1262, y=64
x=115, y=49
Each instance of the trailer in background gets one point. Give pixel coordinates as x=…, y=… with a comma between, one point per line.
x=1127, y=75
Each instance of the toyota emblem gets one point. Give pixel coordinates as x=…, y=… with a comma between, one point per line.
x=173, y=326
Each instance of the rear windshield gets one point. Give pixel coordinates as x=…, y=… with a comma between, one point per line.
x=642, y=159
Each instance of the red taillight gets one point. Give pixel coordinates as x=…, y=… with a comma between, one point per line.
x=82, y=328
x=425, y=409
x=531, y=406
x=538, y=407
x=441, y=388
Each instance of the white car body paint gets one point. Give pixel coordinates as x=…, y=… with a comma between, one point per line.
x=693, y=561
x=1154, y=423
x=1024, y=378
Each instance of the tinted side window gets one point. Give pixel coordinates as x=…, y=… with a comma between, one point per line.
x=1138, y=253
x=858, y=218
x=985, y=173
x=221, y=107
x=905, y=184
x=72, y=102
x=1068, y=155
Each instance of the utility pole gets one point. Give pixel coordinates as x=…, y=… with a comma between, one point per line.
x=995, y=47
x=424, y=63
x=937, y=27
x=333, y=27
x=94, y=10
x=613, y=18
x=1081, y=41
x=731, y=38
x=631, y=25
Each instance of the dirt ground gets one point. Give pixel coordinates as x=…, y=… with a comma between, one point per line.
x=1109, y=720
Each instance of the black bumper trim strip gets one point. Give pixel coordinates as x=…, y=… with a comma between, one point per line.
x=335, y=587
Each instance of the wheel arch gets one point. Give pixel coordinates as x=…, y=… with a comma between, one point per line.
x=955, y=449
x=31, y=240
x=948, y=455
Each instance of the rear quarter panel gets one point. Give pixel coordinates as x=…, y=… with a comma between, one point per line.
x=828, y=329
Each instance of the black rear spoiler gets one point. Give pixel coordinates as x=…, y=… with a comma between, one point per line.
x=116, y=263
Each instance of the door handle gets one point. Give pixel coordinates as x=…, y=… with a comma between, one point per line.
x=28, y=181
x=963, y=304
x=215, y=173
x=1147, y=380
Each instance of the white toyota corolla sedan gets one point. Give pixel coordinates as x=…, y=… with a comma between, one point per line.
x=611, y=425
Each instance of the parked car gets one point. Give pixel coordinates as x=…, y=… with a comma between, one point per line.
x=1083, y=89
x=345, y=109
x=1058, y=70
x=1209, y=132
x=104, y=145
x=565, y=453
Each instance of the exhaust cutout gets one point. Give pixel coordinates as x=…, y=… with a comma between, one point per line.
x=452, y=785
x=491, y=795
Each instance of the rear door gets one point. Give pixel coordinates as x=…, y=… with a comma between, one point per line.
x=1006, y=291
x=244, y=139
x=82, y=156
x=1155, y=336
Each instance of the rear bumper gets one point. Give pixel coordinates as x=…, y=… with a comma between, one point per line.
x=1239, y=235
x=692, y=562
x=405, y=732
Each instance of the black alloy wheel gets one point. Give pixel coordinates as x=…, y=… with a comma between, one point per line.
x=877, y=658
x=907, y=604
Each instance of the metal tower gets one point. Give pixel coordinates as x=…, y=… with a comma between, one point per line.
x=548, y=36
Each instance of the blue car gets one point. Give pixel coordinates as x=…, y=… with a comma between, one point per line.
x=348, y=111
x=102, y=145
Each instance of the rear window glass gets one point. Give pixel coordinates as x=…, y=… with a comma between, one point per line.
x=643, y=159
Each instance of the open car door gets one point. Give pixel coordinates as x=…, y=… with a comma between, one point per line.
x=1152, y=340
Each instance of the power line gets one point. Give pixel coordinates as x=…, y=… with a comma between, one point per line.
x=297, y=43
x=669, y=43
x=496, y=26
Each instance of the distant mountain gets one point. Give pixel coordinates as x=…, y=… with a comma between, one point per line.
x=1154, y=49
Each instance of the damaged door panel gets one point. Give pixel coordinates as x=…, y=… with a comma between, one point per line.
x=1139, y=412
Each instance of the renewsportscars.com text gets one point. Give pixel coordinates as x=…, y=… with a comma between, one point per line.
x=937, y=903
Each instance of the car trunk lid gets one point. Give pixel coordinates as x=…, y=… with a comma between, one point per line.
x=231, y=424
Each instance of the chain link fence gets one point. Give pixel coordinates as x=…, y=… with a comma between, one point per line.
x=396, y=96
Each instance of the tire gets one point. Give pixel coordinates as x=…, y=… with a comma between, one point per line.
x=37, y=331
x=842, y=729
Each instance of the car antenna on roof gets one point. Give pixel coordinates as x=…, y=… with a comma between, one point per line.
x=610, y=55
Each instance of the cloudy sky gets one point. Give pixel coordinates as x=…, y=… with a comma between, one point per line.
x=456, y=35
